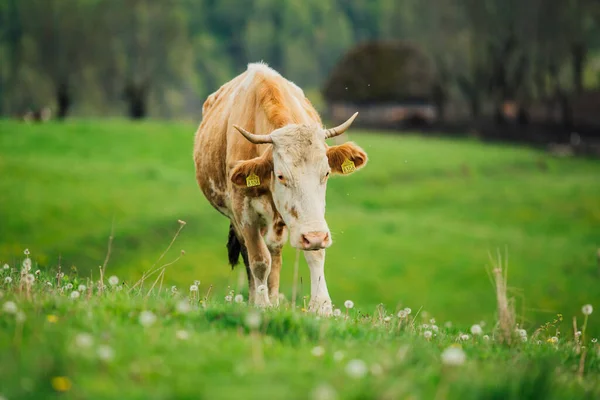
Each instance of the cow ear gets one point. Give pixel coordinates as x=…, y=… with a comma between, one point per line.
x=253, y=173
x=346, y=158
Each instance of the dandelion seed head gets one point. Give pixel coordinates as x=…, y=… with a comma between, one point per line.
x=425, y=326
x=408, y=311
x=594, y=340
x=113, y=280
x=324, y=392
x=253, y=320
x=26, y=265
x=402, y=314
x=183, y=307
x=228, y=299
x=427, y=334
x=147, y=318
x=26, y=252
x=476, y=329
x=435, y=328
x=356, y=369
x=464, y=337
x=38, y=272
x=182, y=334
x=338, y=356
x=105, y=352
x=197, y=282
x=317, y=351
x=10, y=307
x=349, y=304
x=577, y=334
x=8, y=279
x=522, y=332
x=75, y=294
x=194, y=288
x=69, y=286
x=453, y=356
x=239, y=298
x=337, y=312
x=84, y=340
x=6, y=267
x=173, y=289
x=29, y=278
x=81, y=288
x=387, y=319
x=587, y=309
x=486, y=337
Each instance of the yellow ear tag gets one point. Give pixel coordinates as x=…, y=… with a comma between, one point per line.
x=348, y=166
x=252, y=180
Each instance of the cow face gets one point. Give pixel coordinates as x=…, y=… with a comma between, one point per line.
x=296, y=171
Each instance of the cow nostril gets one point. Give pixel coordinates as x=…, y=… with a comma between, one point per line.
x=305, y=241
x=326, y=237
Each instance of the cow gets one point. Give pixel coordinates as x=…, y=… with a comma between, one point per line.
x=262, y=161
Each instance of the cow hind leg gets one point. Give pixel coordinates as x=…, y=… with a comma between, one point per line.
x=234, y=248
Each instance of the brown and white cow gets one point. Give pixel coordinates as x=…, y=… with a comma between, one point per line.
x=262, y=161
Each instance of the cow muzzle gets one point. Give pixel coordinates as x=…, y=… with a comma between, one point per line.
x=314, y=240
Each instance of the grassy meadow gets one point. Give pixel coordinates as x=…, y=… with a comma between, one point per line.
x=415, y=228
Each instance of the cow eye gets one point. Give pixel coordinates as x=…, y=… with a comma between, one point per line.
x=280, y=177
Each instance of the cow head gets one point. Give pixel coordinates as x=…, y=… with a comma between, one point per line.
x=296, y=171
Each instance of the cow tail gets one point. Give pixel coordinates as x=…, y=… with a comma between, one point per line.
x=234, y=248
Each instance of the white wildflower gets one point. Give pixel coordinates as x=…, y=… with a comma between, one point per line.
x=453, y=356
x=338, y=356
x=464, y=337
x=183, y=307
x=194, y=288
x=427, y=334
x=8, y=279
x=105, y=352
x=26, y=265
x=432, y=321
x=69, y=286
x=253, y=320
x=402, y=314
x=408, y=311
x=147, y=318
x=75, y=294
x=317, y=351
x=26, y=252
x=239, y=298
x=182, y=334
x=587, y=309
x=356, y=369
x=324, y=392
x=476, y=329
x=20, y=317
x=81, y=288
x=228, y=299
x=337, y=312
x=349, y=304
x=113, y=280
x=522, y=332
x=84, y=340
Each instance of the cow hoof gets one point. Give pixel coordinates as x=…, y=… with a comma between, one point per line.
x=321, y=307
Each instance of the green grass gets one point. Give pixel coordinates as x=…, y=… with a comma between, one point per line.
x=415, y=227
x=288, y=355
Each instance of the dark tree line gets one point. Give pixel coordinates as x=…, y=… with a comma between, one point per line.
x=161, y=58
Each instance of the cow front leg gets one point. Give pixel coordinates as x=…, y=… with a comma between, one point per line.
x=274, y=276
x=320, y=301
x=259, y=259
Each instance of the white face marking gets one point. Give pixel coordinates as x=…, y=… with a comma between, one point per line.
x=299, y=181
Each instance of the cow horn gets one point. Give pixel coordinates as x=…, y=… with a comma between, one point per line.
x=338, y=130
x=256, y=139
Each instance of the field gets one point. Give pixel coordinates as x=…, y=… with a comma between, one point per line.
x=414, y=229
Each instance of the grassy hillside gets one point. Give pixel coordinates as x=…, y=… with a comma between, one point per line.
x=414, y=228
